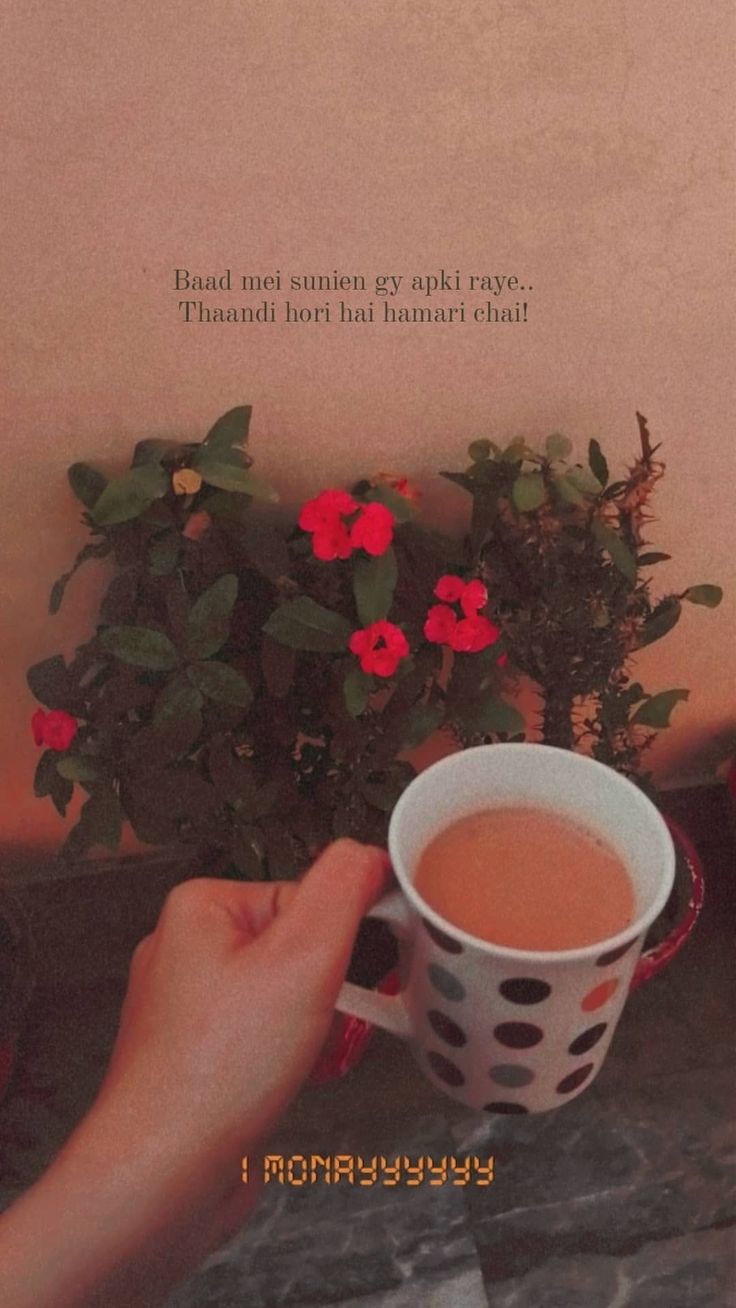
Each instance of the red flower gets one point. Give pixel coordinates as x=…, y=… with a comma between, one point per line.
x=56, y=729
x=474, y=598
x=440, y=624
x=332, y=541
x=325, y=509
x=466, y=635
x=37, y=725
x=401, y=485
x=373, y=530
x=474, y=634
x=381, y=647
x=449, y=588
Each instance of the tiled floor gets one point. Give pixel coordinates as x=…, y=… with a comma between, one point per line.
x=624, y=1198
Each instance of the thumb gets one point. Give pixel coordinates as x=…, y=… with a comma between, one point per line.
x=319, y=924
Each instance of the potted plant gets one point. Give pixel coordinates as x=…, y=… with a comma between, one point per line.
x=254, y=688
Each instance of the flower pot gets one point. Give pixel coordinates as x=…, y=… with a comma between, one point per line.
x=679, y=915
x=373, y=964
x=16, y=981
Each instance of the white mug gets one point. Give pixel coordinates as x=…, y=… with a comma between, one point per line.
x=500, y=1029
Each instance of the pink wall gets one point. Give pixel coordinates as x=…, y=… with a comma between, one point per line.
x=582, y=145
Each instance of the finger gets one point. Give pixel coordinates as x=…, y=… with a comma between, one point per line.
x=141, y=954
x=202, y=905
x=320, y=922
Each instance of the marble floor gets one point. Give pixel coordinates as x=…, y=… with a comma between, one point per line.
x=623, y=1198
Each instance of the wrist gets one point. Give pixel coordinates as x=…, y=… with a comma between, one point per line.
x=120, y=1196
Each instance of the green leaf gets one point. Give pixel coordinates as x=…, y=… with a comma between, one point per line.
x=616, y=488
x=490, y=715
x=645, y=560
x=163, y=553
x=529, y=491
x=248, y=852
x=228, y=434
x=620, y=554
x=568, y=491
x=374, y=582
x=655, y=711
x=87, y=483
x=57, y=594
x=402, y=508
x=47, y=780
x=152, y=450
x=421, y=721
x=221, y=683
x=356, y=689
x=77, y=767
x=597, y=463
x=515, y=450
x=95, y=550
x=141, y=646
x=209, y=620
x=584, y=480
x=126, y=497
x=558, y=446
x=460, y=479
x=662, y=619
x=710, y=596
x=480, y=450
x=229, y=477
x=178, y=699
x=52, y=685
x=100, y=823
x=303, y=624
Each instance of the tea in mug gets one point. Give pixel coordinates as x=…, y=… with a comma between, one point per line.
x=526, y=878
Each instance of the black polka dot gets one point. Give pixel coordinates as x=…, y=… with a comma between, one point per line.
x=444, y=1069
x=511, y=1075
x=447, y=984
x=525, y=990
x=446, y=1028
x=614, y=955
x=445, y=942
x=504, y=1106
x=575, y=1079
x=518, y=1035
x=582, y=1043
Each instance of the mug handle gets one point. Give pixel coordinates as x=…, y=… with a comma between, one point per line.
x=387, y=1011
x=653, y=960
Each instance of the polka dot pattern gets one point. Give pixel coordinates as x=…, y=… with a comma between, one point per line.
x=470, y=1013
x=587, y=1039
x=444, y=942
x=575, y=1079
x=445, y=1069
x=614, y=955
x=599, y=996
x=525, y=990
x=446, y=1028
x=447, y=984
x=518, y=1035
x=504, y=1106
x=511, y=1075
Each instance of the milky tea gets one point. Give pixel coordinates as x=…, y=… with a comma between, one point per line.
x=526, y=878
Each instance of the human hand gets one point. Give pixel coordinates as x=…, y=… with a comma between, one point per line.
x=229, y=1002
x=230, y=999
